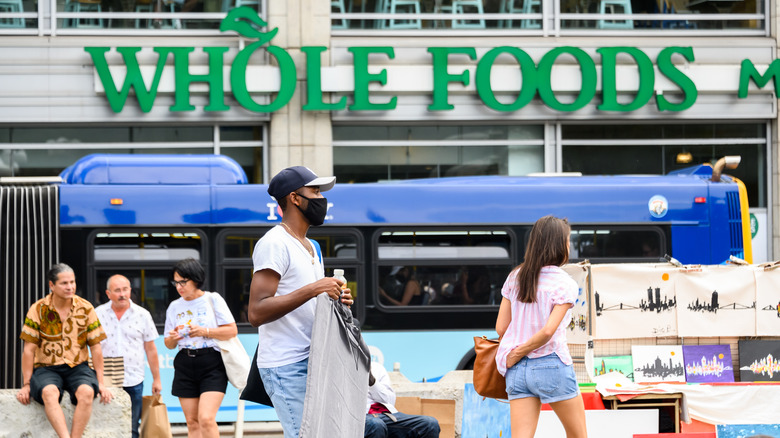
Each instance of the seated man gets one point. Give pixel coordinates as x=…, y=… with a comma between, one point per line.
x=384, y=420
x=56, y=332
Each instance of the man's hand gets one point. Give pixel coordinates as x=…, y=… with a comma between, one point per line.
x=328, y=285
x=346, y=297
x=156, y=387
x=24, y=395
x=105, y=394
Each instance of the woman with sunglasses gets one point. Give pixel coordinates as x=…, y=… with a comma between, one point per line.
x=193, y=323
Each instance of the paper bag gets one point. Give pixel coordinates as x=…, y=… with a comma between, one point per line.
x=154, y=418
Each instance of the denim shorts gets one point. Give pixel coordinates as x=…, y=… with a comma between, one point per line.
x=546, y=378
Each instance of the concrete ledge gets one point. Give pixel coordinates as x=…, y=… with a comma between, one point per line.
x=450, y=387
x=107, y=421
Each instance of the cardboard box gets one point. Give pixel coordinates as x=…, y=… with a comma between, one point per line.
x=441, y=410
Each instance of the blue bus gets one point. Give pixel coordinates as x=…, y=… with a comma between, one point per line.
x=457, y=237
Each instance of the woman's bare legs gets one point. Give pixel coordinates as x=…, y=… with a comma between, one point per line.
x=571, y=412
x=524, y=415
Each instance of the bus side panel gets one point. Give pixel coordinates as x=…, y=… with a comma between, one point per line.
x=691, y=244
x=132, y=205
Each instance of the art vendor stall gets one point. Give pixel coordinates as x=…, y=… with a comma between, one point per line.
x=701, y=340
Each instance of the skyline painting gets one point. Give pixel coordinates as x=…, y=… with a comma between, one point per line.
x=607, y=364
x=658, y=363
x=759, y=361
x=577, y=330
x=634, y=301
x=708, y=363
x=767, y=302
x=718, y=301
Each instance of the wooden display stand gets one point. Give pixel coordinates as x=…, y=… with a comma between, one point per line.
x=649, y=401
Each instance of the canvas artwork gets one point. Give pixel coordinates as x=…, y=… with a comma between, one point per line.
x=759, y=361
x=716, y=301
x=767, y=301
x=708, y=363
x=621, y=364
x=634, y=301
x=748, y=431
x=658, y=363
x=577, y=330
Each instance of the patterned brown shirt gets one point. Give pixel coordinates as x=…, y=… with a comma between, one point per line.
x=61, y=342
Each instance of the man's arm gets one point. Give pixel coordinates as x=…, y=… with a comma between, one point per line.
x=265, y=307
x=97, y=362
x=382, y=390
x=154, y=366
x=28, y=359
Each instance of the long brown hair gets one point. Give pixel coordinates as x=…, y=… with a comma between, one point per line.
x=547, y=245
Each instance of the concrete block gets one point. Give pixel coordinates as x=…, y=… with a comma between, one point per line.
x=107, y=421
x=449, y=387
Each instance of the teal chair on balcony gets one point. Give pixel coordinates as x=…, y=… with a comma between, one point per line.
x=411, y=7
x=462, y=7
x=84, y=6
x=338, y=7
x=615, y=7
x=11, y=6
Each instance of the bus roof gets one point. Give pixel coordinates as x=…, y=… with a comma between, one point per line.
x=683, y=198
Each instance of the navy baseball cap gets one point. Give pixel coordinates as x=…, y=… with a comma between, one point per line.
x=293, y=178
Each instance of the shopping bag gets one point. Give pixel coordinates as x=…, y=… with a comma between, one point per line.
x=154, y=418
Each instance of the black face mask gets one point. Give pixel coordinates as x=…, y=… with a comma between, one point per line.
x=315, y=211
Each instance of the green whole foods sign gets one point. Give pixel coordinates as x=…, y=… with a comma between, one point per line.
x=536, y=78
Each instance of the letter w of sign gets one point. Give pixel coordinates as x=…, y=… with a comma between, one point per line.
x=748, y=71
x=133, y=80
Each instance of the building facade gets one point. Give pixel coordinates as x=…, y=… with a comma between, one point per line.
x=381, y=90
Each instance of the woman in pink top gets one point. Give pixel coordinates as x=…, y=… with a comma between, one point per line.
x=533, y=354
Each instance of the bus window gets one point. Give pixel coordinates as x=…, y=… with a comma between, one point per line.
x=151, y=289
x=158, y=246
x=417, y=285
x=341, y=246
x=236, y=293
x=438, y=245
x=441, y=267
x=617, y=243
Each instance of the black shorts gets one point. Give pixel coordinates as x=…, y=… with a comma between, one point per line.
x=198, y=371
x=63, y=377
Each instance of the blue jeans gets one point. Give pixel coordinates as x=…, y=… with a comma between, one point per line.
x=136, y=394
x=286, y=385
x=406, y=426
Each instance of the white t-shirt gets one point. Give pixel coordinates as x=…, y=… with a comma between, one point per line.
x=286, y=340
x=198, y=312
x=125, y=338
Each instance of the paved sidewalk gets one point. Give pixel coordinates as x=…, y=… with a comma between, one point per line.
x=258, y=429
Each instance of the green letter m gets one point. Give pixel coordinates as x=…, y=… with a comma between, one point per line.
x=748, y=71
x=133, y=79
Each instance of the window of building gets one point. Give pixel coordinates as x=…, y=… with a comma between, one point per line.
x=44, y=151
x=660, y=149
x=564, y=17
x=119, y=17
x=370, y=153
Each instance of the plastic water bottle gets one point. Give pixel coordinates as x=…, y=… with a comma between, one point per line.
x=339, y=274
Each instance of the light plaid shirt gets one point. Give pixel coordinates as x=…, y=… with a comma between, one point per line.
x=554, y=287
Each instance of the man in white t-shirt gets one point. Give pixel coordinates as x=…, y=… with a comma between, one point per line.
x=288, y=274
x=130, y=333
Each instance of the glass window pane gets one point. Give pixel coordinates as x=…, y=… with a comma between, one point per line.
x=421, y=285
x=636, y=243
x=239, y=247
x=613, y=160
x=443, y=245
x=151, y=289
x=338, y=246
x=146, y=246
x=249, y=158
x=236, y=294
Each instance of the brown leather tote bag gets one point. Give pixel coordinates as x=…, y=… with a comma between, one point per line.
x=487, y=380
